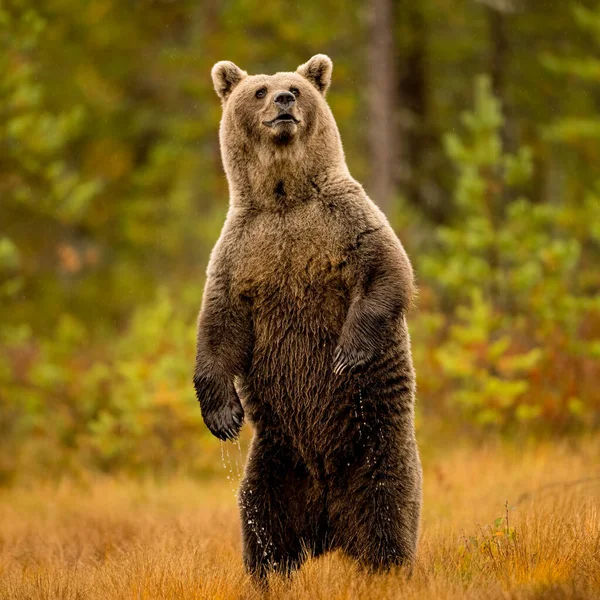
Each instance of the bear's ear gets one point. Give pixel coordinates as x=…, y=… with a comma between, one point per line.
x=226, y=75
x=318, y=71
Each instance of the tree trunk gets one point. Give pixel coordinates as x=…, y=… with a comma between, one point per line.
x=497, y=16
x=422, y=164
x=382, y=130
x=413, y=97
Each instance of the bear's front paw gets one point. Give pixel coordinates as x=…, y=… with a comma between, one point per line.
x=225, y=422
x=221, y=408
x=347, y=358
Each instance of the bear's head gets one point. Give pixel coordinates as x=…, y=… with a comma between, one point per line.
x=277, y=116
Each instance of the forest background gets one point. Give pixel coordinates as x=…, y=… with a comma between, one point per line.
x=473, y=124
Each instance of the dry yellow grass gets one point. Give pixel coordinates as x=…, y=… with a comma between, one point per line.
x=113, y=539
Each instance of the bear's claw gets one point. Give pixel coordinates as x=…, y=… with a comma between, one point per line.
x=348, y=359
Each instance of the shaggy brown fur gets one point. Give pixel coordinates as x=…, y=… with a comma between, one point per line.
x=303, y=318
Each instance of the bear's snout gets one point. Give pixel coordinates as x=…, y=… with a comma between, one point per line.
x=284, y=100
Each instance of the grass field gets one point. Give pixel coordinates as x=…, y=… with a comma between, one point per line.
x=179, y=538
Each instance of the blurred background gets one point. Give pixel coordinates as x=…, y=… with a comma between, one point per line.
x=474, y=125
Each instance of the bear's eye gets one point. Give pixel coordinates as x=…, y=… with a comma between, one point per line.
x=261, y=93
x=295, y=91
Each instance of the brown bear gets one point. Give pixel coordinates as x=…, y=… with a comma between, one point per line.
x=303, y=331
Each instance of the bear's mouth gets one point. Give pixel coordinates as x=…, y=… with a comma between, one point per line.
x=282, y=118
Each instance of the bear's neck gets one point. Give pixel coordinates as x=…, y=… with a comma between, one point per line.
x=279, y=180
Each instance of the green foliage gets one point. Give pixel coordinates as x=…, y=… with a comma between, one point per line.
x=34, y=136
x=490, y=376
x=514, y=278
x=129, y=405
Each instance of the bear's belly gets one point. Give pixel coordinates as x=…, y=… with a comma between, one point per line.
x=298, y=285
x=294, y=273
x=297, y=322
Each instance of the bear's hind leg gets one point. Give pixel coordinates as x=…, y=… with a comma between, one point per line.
x=375, y=512
x=275, y=509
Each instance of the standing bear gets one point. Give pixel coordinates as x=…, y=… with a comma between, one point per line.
x=303, y=331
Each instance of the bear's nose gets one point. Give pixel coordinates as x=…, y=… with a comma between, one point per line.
x=284, y=100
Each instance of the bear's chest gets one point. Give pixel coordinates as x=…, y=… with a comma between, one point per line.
x=299, y=257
